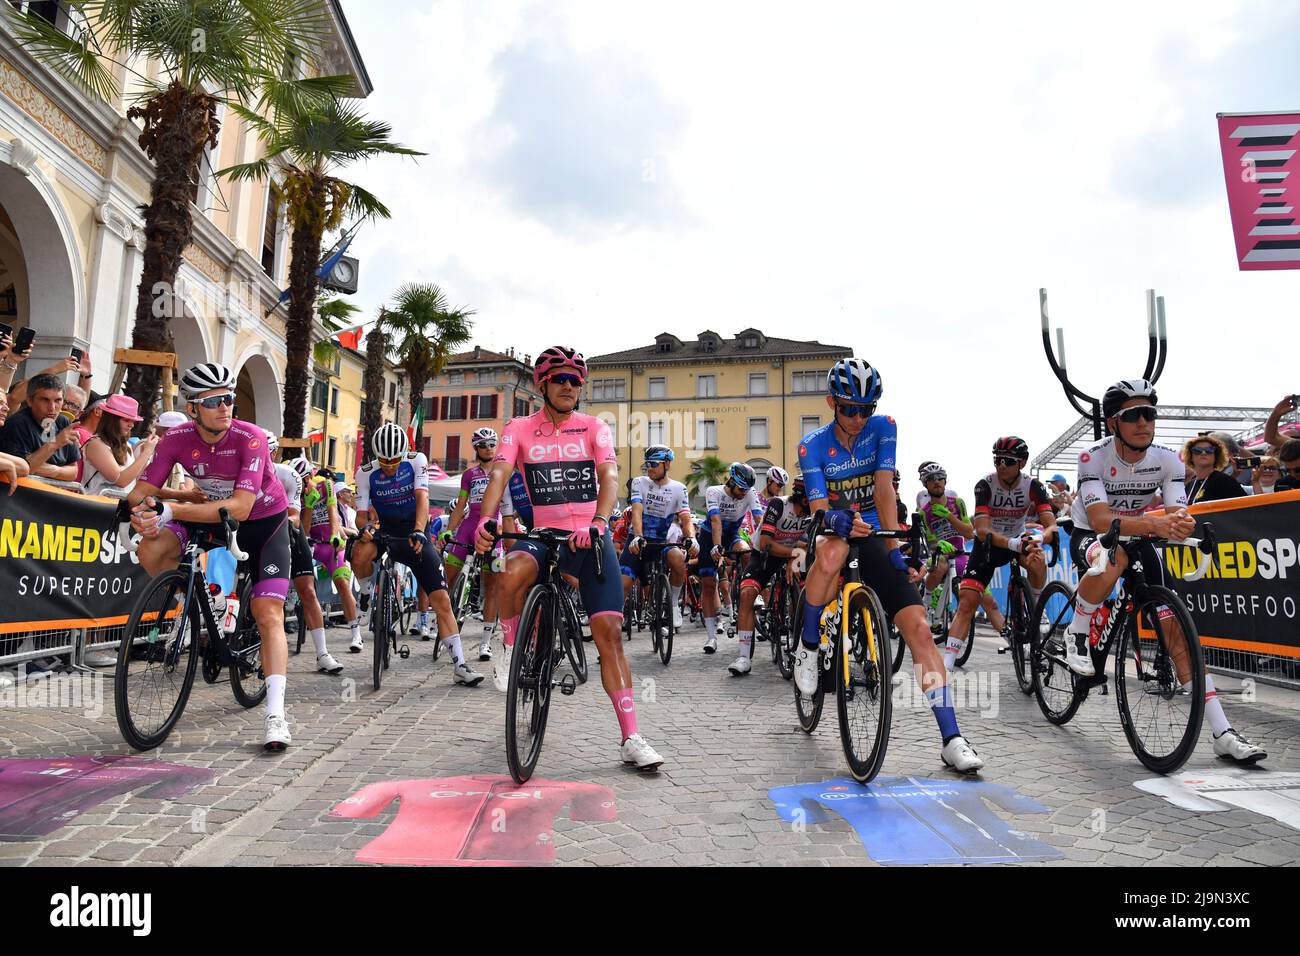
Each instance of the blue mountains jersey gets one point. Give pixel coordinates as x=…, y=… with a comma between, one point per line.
x=846, y=477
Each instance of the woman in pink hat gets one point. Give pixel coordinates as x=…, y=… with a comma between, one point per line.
x=107, y=455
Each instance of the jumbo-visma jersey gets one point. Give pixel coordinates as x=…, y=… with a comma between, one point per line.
x=846, y=478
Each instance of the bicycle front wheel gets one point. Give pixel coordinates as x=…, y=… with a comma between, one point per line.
x=528, y=697
x=809, y=708
x=862, y=685
x=1054, y=685
x=1159, y=652
x=573, y=644
x=156, y=661
x=383, y=620
x=791, y=602
x=1019, y=617
x=247, y=678
x=663, y=614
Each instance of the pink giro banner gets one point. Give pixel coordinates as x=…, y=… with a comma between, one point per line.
x=1261, y=163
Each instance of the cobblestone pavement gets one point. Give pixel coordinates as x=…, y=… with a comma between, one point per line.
x=726, y=741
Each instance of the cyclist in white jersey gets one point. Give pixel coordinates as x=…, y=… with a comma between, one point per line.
x=1118, y=477
x=657, y=503
x=727, y=505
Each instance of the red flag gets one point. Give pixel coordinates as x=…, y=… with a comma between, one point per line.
x=350, y=339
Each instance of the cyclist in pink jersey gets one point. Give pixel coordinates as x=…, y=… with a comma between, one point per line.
x=458, y=538
x=570, y=470
x=230, y=461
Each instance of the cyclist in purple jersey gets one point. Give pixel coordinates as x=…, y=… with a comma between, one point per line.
x=458, y=537
x=230, y=462
x=848, y=469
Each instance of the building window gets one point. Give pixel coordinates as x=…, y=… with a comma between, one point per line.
x=485, y=406
x=757, y=383
x=665, y=346
x=333, y=449
x=334, y=400
x=658, y=388
x=456, y=378
x=809, y=423
x=706, y=386
x=814, y=381
x=363, y=411
x=320, y=393
x=757, y=433
x=608, y=389
x=655, y=433
x=430, y=412
x=522, y=408
x=455, y=408
x=749, y=342
x=315, y=452
x=708, y=433
x=392, y=393
x=269, y=233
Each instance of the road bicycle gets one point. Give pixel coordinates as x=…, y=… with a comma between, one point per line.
x=467, y=593
x=545, y=631
x=658, y=612
x=852, y=660
x=691, y=605
x=1158, y=652
x=940, y=613
x=777, y=618
x=1019, y=619
x=171, y=627
x=385, y=611
x=574, y=638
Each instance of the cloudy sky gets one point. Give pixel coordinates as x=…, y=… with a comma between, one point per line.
x=900, y=179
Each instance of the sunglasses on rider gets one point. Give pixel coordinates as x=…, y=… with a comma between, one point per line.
x=1006, y=460
x=216, y=401
x=1147, y=413
x=564, y=378
x=389, y=462
x=485, y=444
x=855, y=411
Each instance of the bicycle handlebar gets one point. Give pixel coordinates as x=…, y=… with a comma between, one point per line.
x=1112, y=539
x=230, y=524
x=550, y=537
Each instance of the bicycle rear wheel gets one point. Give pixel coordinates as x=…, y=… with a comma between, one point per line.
x=862, y=685
x=295, y=622
x=792, y=601
x=1056, y=687
x=156, y=661
x=405, y=601
x=809, y=709
x=1018, y=616
x=776, y=620
x=528, y=697
x=247, y=678
x=573, y=648
x=1161, y=721
x=663, y=614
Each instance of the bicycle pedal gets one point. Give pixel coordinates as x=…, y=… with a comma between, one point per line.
x=404, y=652
x=1003, y=650
x=568, y=685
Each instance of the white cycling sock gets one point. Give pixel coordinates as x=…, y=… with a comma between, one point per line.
x=952, y=651
x=318, y=640
x=452, y=646
x=1213, y=708
x=275, y=695
x=424, y=619
x=676, y=592
x=711, y=627
x=354, y=625
x=1083, y=612
x=746, y=639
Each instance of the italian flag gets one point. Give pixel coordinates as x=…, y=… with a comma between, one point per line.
x=317, y=436
x=417, y=424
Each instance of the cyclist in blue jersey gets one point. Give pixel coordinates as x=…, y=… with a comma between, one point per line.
x=393, y=492
x=727, y=505
x=516, y=505
x=848, y=467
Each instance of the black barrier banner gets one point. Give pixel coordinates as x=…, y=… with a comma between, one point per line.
x=61, y=565
x=1250, y=599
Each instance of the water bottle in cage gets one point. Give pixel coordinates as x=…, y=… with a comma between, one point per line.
x=232, y=613
x=1099, y=626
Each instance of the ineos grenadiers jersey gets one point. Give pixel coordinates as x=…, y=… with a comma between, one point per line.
x=1007, y=508
x=941, y=529
x=660, y=505
x=560, y=464
x=783, y=523
x=1128, y=489
x=731, y=510
x=291, y=484
x=472, y=485
x=515, y=501
x=846, y=478
x=239, y=462
x=393, y=496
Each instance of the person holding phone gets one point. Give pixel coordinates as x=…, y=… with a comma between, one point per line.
x=8, y=362
x=108, y=462
x=1288, y=455
x=31, y=433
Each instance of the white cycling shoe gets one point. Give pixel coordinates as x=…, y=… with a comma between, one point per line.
x=277, y=733
x=462, y=674
x=1077, y=657
x=425, y=632
x=357, y=643
x=485, y=648
x=1234, y=746
x=805, y=670
x=711, y=645
x=741, y=667
x=326, y=664
x=677, y=617
x=636, y=751
x=501, y=669
x=961, y=756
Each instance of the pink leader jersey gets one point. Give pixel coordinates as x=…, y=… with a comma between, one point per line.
x=239, y=462
x=560, y=465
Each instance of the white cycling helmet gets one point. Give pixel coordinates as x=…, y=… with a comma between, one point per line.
x=483, y=435
x=205, y=377
x=778, y=475
x=390, y=442
x=932, y=471
x=302, y=465
x=272, y=443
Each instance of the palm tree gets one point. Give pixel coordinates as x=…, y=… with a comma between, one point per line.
x=706, y=471
x=309, y=140
x=376, y=359
x=426, y=332
x=210, y=53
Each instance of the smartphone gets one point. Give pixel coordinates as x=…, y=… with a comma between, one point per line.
x=78, y=355
x=6, y=330
x=25, y=339
x=1252, y=462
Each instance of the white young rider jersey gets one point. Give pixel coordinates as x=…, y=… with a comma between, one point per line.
x=783, y=522
x=731, y=510
x=660, y=505
x=1104, y=477
x=1008, y=508
x=292, y=484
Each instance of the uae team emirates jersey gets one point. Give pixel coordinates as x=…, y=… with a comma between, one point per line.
x=560, y=464
x=473, y=821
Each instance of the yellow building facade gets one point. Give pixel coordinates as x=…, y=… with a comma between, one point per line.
x=748, y=398
x=336, y=410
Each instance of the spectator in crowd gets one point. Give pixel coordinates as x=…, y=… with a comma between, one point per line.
x=108, y=462
x=1062, y=498
x=18, y=390
x=30, y=432
x=1288, y=449
x=9, y=360
x=11, y=467
x=1206, y=457
x=347, y=502
x=1266, y=475
x=74, y=403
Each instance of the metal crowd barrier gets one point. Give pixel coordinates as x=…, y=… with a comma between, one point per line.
x=1264, y=668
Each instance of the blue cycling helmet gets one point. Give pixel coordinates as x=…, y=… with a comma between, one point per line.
x=741, y=475
x=658, y=453
x=853, y=380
